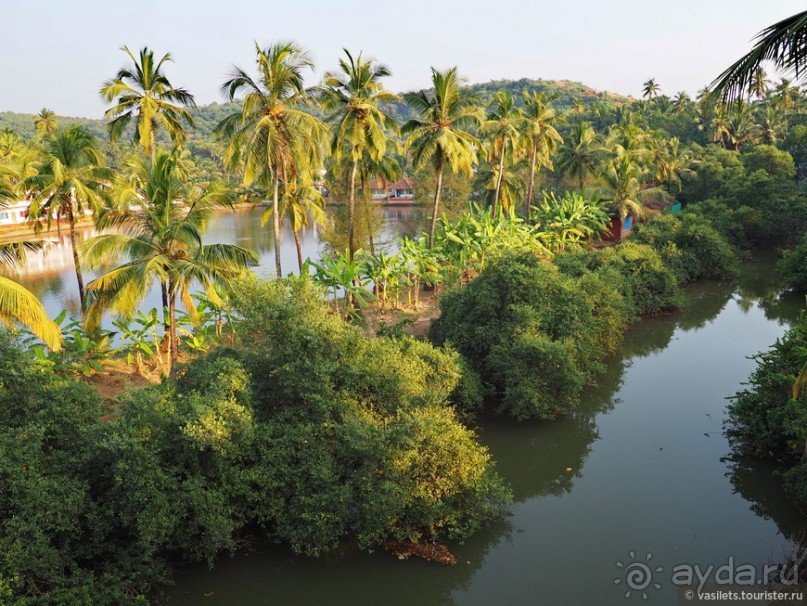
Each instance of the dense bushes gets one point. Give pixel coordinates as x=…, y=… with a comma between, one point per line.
x=793, y=267
x=755, y=188
x=305, y=432
x=765, y=420
x=690, y=246
x=535, y=335
x=537, y=331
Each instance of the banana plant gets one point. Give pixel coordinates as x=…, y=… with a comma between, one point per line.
x=569, y=222
x=422, y=264
x=82, y=352
x=141, y=338
x=340, y=276
x=386, y=273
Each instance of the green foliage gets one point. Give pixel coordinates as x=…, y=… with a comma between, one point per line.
x=334, y=401
x=773, y=162
x=83, y=351
x=765, y=420
x=570, y=221
x=306, y=429
x=521, y=315
x=647, y=285
x=793, y=267
x=689, y=245
x=752, y=198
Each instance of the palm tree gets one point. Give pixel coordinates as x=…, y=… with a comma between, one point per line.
x=353, y=96
x=271, y=138
x=735, y=124
x=303, y=204
x=441, y=135
x=681, y=102
x=759, y=83
x=69, y=184
x=622, y=186
x=45, y=123
x=143, y=94
x=782, y=43
x=650, y=89
x=502, y=125
x=785, y=96
x=670, y=162
x=580, y=152
x=162, y=243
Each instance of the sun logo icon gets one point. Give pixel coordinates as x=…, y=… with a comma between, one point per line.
x=638, y=575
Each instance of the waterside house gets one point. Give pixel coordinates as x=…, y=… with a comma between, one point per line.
x=401, y=191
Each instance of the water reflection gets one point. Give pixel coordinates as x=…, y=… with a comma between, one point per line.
x=49, y=274
x=640, y=466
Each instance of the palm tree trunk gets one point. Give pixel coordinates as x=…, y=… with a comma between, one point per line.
x=498, y=184
x=299, y=249
x=367, y=218
x=436, y=205
x=166, y=322
x=153, y=147
x=351, y=208
x=76, y=261
x=531, y=190
x=276, y=228
x=173, y=338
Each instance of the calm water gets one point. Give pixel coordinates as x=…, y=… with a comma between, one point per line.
x=640, y=469
x=50, y=275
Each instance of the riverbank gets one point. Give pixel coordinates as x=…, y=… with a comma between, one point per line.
x=639, y=468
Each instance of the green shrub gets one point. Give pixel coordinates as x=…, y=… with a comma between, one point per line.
x=793, y=267
x=690, y=246
x=534, y=334
x=764, y=420
x=644, y=279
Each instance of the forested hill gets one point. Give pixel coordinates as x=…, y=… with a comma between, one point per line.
x=565, y=93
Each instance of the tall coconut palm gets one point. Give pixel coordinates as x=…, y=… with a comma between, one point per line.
x=70, y=183
x=304, y=205
x=580, y=153
x=681, y=102
x=759, y=83
x=784, y=44
x=353, y=96
x=45, y=123
x=162, y=242
x=669, y=162
x=623, y=188
x=650, y=89
x=143, y=94
x=785, y=96
x=772, y=123
x=441, y=135
x=272, y=139
x=735, y=124
x=502, y=124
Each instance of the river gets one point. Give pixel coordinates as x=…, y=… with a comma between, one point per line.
x=50, y=274
x=641, y=470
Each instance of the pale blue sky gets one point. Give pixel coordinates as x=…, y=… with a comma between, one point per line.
x=57, y=53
